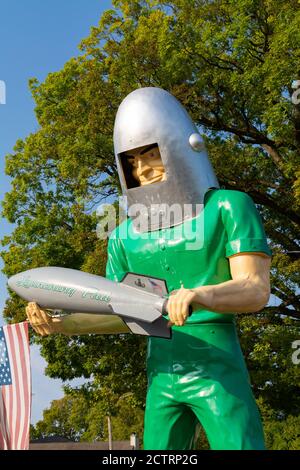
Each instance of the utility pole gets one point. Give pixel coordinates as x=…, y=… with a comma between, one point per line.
x=110, y=444
x=134, y=441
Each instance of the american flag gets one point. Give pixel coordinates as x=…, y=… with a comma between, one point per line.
x=157, y=289
x=15, y=387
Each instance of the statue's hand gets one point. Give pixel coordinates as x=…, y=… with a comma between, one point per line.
x=40, y=321
x=178, y=305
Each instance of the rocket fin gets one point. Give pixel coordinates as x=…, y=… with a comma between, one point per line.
x=158, y=328
x=141, y=312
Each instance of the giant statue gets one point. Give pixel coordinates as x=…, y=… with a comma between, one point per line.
x=209, y=246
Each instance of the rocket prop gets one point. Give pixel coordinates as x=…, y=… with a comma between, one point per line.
x=139, y=300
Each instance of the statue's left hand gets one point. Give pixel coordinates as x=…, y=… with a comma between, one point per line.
x=178, y=305
x=40, y=321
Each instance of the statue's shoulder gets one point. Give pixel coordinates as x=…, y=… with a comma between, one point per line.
x=121, y=230
x=223, y=197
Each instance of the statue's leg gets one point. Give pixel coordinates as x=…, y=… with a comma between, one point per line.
x=231, y=423
x=200, y=372
x=222, y=398
x=169, y=425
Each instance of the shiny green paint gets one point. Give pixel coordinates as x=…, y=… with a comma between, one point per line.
x=186, y=379
x=200, y=376
x=229, y=224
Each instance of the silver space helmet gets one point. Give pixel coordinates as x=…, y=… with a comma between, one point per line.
x=149, y=116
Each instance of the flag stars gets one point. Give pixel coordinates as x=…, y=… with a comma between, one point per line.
x=5, y=375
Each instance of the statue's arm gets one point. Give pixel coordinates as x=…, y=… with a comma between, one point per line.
x=247, y=291
x=73, y=324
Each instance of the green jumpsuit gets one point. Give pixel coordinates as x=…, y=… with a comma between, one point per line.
x=200, y=374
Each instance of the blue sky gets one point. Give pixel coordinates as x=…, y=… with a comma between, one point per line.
x=36, y=37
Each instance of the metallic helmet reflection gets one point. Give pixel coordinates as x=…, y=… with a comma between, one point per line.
x=153, y=116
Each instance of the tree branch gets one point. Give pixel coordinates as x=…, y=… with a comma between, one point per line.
x=283, y=311
x=273, y=153
x=264, y=200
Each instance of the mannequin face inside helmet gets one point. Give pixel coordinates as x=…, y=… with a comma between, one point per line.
x=144, y=164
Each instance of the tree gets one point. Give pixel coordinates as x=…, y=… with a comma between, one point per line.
x=82, y=417
x=66, y=417
x=232, y=64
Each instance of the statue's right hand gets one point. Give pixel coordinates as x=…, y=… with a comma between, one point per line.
x=40, y=321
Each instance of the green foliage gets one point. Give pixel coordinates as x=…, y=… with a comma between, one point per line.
x=283, y=434
x=267, y=347
x=231, y=63
x=79, y=416
x=66, y=417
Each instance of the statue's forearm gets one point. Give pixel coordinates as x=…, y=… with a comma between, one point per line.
x=242, y=295
x=84, y=323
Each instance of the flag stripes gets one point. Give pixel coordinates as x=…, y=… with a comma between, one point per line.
x=15, y=397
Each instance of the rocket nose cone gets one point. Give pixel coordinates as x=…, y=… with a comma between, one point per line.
x=12, y=281
x=19, y=284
